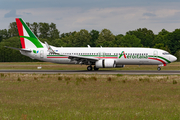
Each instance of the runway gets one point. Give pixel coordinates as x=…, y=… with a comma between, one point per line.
x=128, y=72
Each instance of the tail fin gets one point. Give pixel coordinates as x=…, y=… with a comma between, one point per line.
x=27, y=37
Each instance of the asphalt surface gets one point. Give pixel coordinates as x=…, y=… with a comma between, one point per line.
x=137, y=72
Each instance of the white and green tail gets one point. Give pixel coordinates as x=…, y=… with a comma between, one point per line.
x=27, y=37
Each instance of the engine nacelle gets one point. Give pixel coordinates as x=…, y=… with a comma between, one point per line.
x=107, y=63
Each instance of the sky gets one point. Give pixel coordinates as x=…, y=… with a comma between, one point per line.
x=119, y=16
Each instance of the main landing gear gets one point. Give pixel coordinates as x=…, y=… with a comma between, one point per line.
x=159, y=68
x=89, y=68
x=95, y=68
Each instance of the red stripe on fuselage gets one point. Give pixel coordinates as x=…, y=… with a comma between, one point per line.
x=20, y=30
x=158, y=60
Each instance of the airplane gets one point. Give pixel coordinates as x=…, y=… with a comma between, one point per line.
x=94, y=57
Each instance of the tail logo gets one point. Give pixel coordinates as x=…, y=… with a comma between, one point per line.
x=26, y=34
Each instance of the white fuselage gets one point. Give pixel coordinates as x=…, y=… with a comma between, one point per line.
x=122, y=55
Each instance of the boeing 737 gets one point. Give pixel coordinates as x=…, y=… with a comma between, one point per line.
x=94, y=57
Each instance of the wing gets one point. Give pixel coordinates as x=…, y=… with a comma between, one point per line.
x=82, y=59
x=78, y=59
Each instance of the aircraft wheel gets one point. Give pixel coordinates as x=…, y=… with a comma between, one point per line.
x=95, y=68
x=89, y=68
x=158, y=68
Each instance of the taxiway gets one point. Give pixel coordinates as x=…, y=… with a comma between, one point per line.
x=131, y=72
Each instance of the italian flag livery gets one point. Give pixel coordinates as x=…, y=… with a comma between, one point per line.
x=163, y=60
x=28, y=39
x=99, y=57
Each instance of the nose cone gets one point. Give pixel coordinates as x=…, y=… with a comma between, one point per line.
x=173, y=58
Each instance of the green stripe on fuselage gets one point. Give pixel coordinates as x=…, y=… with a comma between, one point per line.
x=55, y=55
x=89, y=55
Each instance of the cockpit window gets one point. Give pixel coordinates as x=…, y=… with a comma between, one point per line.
x=166, y=53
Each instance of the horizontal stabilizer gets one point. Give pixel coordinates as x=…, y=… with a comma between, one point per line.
x=18, y=49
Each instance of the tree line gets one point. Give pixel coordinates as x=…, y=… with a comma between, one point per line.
x=142, y=37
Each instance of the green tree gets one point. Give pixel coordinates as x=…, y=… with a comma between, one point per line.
x=161, y=37
x=13, y=42
x=1, y=38
x=10, y=55
x=118, y=42
x=4, y=34
x=94, y=36
x=163, y=32
x=29, y=25
x=67, y=34
x=146, y=36
x=54, y=33
x=161, y=41
x=177, y=54
x=68, y=41
x=44, y=29
x=105, y=38
x=13, y=31
x=131, y=41
x=35, y=28
x=174, y=41
x=162, y=46
x=82, y=38
x=43, y=40
x=59, y=43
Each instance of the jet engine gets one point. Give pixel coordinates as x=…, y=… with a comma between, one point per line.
x=107, y=63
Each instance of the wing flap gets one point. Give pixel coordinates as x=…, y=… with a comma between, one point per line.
x=82, y=57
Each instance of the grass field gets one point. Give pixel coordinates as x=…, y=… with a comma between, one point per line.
x=60, y=96
x=52, y=66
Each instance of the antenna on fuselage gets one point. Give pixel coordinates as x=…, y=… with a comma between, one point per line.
x=89, y=46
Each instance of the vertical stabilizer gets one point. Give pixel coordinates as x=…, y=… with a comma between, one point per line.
x=27, y=37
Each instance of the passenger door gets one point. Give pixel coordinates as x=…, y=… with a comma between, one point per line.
x=155, y=54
